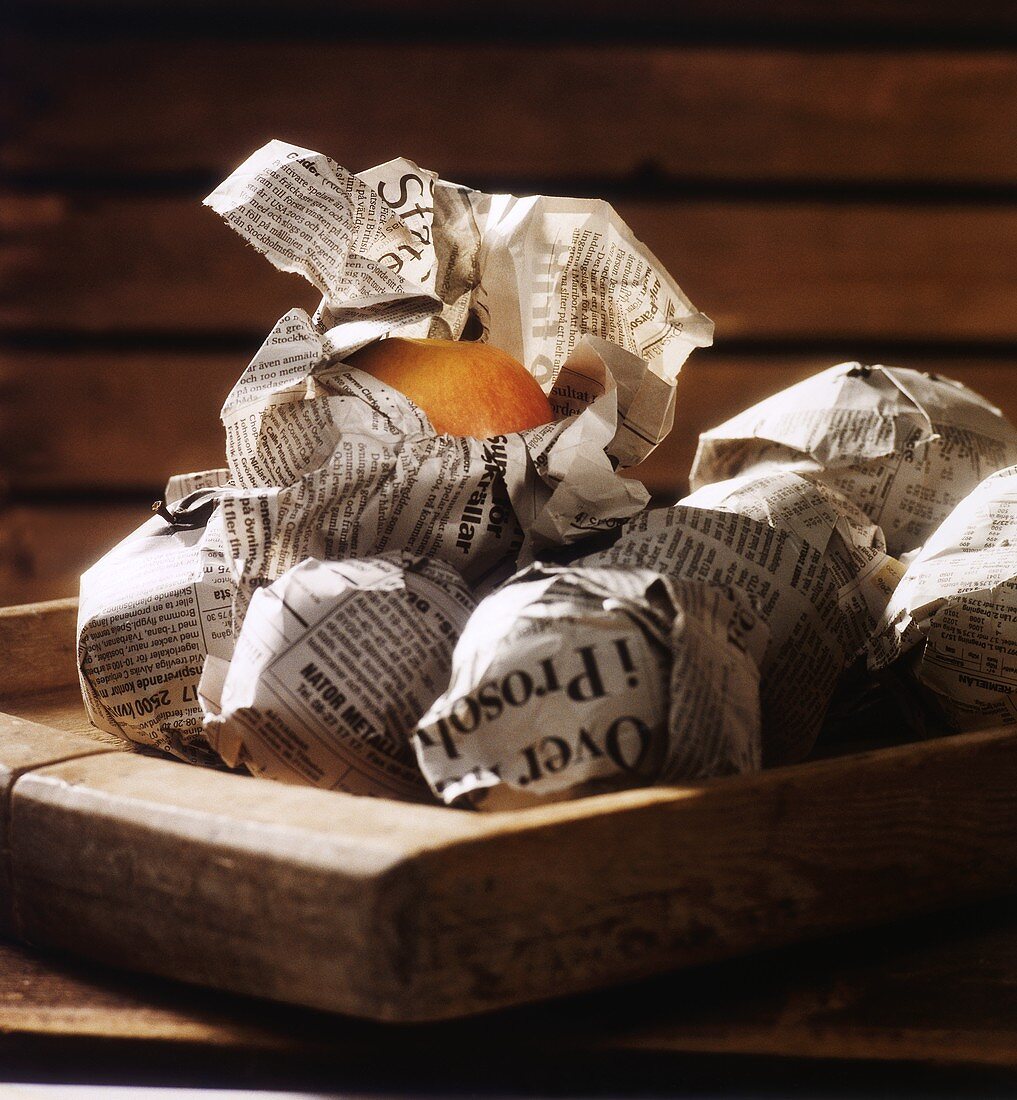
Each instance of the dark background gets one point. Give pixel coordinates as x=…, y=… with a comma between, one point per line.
x=827, y=182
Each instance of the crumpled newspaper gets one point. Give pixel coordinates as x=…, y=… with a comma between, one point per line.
x=902, y=445
x=853, y=547
x=953, y=616
x=389, y=483
x=790, y=586
x=150, y=610
x=568, y=681
x=330, y=462
x=335, y=663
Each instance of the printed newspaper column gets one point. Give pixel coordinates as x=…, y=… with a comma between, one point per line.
x=536, y=274
x=788, y=584
x=904, y=446
x=570, y=681
x=853, y=548
x=953, y=617
x=390, y=483
x=335, y=663
x=150, y=611
x=283, y=418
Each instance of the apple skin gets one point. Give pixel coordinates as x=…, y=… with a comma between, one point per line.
x=465, y=388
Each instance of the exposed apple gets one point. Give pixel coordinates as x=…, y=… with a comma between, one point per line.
x=465, y=388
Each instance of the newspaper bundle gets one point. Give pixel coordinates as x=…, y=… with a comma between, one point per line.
x=150, y=611
x=335, y=663
x=330, y=462
x=388, y=482
x=853, y=547
x=904, y=446
x=569, y=681
x=953, y=616
x=788, y=583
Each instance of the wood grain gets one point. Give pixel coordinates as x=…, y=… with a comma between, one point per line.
x=775, y=270
x=44, y=549
x=124, y=420
x=37, y=648
x=938, y=988
x=434, y=913
x=480, y=109
x=25, y=745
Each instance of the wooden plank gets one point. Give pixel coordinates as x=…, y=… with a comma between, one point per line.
x=416, y=913
x=37, y=647
x=481, y=109
x=123, y=419
x=291, y=890
x=45, y=549
x=760, y=269
x=127, y=420
x=26, y=745
x=938, y=988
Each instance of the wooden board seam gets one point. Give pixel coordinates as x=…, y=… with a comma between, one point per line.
x=7, y=841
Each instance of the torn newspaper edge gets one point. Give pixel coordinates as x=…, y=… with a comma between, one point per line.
x=335, y=663
x=570, y=681
x=904, y=446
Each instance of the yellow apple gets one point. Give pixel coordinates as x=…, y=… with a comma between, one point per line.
x=465, y=388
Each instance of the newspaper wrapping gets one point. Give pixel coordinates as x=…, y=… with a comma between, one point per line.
x=853, y=547
x=790, y=586
x=569, y=681
x=904, y=446
x=954, y=614
x=150, y=611
x=330, y=462
x=335, y=663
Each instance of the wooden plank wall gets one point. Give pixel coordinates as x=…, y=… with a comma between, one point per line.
x=828, y=182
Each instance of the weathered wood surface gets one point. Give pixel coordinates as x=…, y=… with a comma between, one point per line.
x=45, y=548
x=486, y=110
x=123, y=419
x=393, y=911
x=24, y=746
x=939, y=988
x=775, y=270
x=37, y=648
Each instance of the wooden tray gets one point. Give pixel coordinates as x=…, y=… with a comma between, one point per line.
x=400, y=912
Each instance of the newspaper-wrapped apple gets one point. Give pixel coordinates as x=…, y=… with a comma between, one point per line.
x=902, y=445
x=853, y=548
x=789, y=584
x=953, y=617
x=568, y=681
x=335, y=663
x=333, y=462
x=463, y=387
x=150, y=611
